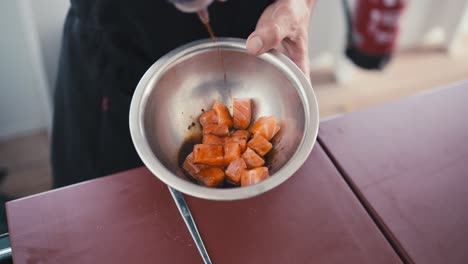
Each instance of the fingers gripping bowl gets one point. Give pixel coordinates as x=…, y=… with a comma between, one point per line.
x=173, y=92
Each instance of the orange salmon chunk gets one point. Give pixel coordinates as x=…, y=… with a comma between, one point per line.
x=232, y=152
x=212, y=140
x=235, y=169
x=265, y=126
x=208, y=117
x=242, y=134
x=191, y=167
x=224, y=117
x=252, y=159
x=260, y=145
x=253, y=176
x=211, y=177
x=242, y=113
x=212, y=155
x=235, y=139
x=216, y=129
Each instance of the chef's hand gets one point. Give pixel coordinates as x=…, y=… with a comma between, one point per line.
x=284, y=26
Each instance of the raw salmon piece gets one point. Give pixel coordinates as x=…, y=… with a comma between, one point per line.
x=211, y=176
x=242, y=113
x=212, y=155
x=232, y=152
x=242, y=134
x=239, y=136
x=235, y=169
x=260, y=145
x=236, y=139
x=252, y=159
x=265, y=126
x=212, y=140
x=243, y=144
x=191, y=167
x=254, y=176
x=224, y=118
x=216, y=129
x=208, y=117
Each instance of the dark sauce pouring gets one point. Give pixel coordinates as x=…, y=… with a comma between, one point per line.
x=193, y=139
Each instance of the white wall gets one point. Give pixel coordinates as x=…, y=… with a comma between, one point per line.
x=328, y=30
x=23, y=105
x=28, y=69
x=441, y=18
x=465, y=23
x=48, y=17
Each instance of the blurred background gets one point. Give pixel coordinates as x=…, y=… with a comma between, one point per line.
x=432, y=51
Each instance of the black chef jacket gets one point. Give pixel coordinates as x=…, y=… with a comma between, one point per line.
x=106, y=48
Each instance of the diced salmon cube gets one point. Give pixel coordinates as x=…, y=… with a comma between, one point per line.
x=265, y=126
x=224, y=117
x=208, y=117
x=243, y=144
x=242, y=134
x=191, y=167
x=216, y=129
x=212, y=155
x=239, y=136
x=252, y=159
x=235, y=139
x=211, y=176
x=253, y=176
x=207, y=175
x=235, y=170
x=242, y=113
x=212, y=140
x=260, y=145
x=232, y=152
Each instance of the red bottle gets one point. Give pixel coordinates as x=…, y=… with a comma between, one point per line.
x=373, y=31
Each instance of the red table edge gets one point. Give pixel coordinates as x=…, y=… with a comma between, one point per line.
x=378, y=221
x=7, y=204
x=388, y=234
x=74, y=185
x=404, y=257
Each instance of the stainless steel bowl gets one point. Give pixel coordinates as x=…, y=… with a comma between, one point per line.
x=173, y=91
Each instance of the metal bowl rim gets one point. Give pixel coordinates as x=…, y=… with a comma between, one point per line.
x=152, y=75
